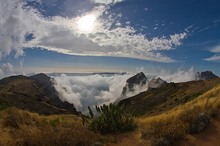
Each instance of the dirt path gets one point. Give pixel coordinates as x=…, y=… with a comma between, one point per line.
x=129, y=139
x=209, y=137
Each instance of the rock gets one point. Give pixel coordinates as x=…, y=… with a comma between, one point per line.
x=139, y=79
x=98, y=144
x=200, y=124
x=206, y=75
x=156, y=83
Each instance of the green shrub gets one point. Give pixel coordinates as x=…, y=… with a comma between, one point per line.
x=112, y=118
x=4, y=106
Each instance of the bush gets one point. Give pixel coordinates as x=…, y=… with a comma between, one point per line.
x=4, y=106
x=112, y=118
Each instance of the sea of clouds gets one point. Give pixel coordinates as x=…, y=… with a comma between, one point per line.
x=98, y=89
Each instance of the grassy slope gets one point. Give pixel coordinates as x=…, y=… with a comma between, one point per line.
x=20, y=127
x=156, y=101
x=175, y=123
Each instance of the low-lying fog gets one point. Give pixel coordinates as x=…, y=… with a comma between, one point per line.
x=97, y=89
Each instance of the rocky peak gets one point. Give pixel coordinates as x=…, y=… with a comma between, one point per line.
x=206, y=75
x=156, y=83
x=139, y=79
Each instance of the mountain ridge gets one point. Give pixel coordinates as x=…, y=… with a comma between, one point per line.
x=168, y=96
x=30, y=93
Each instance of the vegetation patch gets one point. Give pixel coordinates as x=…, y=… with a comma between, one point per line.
x=112, y=118
x=192, y=117
x=4, y=106
x=20, y=127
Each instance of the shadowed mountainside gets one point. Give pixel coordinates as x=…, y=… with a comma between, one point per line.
x=35, y=93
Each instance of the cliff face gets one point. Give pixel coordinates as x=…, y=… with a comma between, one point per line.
x=137, y=80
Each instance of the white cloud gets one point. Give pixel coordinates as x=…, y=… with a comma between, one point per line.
x=7, y=69
x=216, y=56
x=84, y=91
x=216, y=49
x=90, y=90
x=213, y=58
x=62, y=34
x=106, y=2
x=179, y=76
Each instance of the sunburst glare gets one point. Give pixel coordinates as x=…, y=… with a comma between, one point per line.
x=86, y=23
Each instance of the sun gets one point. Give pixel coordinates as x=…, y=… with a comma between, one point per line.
x=86, y=23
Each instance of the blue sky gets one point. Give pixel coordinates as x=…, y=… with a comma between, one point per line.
x=109, y=35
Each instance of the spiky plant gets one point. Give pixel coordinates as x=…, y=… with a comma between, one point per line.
x=112, y=118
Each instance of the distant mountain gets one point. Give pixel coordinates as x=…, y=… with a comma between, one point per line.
x=35, y=93
x=137, y=80
x=206, y=75
x=156, y=83
x=161, y=99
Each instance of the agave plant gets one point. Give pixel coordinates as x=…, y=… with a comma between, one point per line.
x=111, y=118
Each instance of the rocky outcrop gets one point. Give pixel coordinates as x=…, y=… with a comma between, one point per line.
x=206, y=75
x=199, y=124
x=156, y=83
x=137, y=80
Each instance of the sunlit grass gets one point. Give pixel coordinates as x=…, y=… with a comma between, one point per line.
x=25, y=128
x=175, y=123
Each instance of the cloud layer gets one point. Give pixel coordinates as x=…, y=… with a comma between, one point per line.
x=90, y=90
x=62, y=34
x=84, y=91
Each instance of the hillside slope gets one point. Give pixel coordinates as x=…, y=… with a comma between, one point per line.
x=30, y=93
x=158, y=100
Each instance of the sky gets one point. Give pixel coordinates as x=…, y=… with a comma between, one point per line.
x=109, y=36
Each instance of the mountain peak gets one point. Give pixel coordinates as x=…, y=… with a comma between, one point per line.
x=156, y=83
x=139, y=79
x=206, y=75
x=136, y=79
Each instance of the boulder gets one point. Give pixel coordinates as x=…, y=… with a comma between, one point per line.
x=200, y=124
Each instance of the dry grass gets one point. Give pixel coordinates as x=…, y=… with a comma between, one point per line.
x=24, y=128
x=175, y=123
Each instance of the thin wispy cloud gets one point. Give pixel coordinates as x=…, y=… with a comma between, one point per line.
x=213, y=58
x=62, y=34
x=216, y=49
x=106, y=2
x=216, y=56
